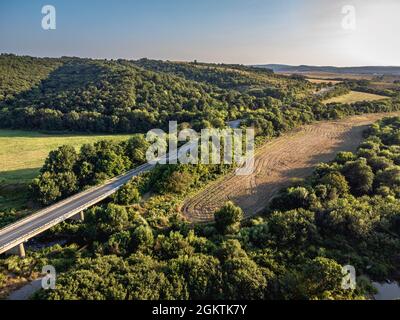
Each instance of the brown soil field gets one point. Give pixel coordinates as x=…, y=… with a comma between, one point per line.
x=354, y=96
x=331, y=75
x=277, y=163
x=317, y=81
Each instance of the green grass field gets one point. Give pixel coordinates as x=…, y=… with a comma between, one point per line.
x=22, y=154
x=355, y=96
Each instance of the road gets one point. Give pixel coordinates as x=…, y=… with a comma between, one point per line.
x=27, y=228
x=21, y=231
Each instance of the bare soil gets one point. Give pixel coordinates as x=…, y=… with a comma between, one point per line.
x=277, y=163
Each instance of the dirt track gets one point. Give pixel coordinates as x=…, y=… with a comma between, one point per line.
x=293, y=155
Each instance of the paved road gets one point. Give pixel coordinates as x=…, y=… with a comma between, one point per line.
x=32, y=225
x=26, y=291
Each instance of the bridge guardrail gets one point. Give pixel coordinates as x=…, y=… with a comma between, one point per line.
x=76, y=196
x=56, y=221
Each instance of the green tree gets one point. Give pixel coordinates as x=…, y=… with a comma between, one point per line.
x=67, y=183
x=322, y=279
x=359, y=175
x=127, y=195
x=227, y=219
x=143, y=238
x=292, y=228
x=243, y=279
x=45, y=188
x=61, y=160
x=336, y=181
x=114, y=219
x=389, y=177
x=202, y=273
x=136, y=148
x=173, y=246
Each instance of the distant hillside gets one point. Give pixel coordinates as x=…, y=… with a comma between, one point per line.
x=116, y=96
x=373, y=70
x=98, y=96
x=18, y=74
x=245, y=79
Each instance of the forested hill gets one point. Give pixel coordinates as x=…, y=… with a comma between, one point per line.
x=133, y=96
x=19, y=74
x=125, y=96
x=250, y=80
x=102, y=96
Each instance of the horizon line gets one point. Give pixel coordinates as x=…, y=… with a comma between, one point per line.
x=193, y=60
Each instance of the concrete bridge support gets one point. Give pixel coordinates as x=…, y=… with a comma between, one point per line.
x=79, y=217
x=18, y=250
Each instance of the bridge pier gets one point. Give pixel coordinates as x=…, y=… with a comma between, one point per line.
x=21, y=250
x=79, y=217
x=18, y=250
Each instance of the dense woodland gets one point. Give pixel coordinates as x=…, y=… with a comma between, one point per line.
x=347, y=212
x=120, y=96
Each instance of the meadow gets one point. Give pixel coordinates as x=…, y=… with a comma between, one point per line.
x=323, y=81
x=354, y=96
x=22, y=154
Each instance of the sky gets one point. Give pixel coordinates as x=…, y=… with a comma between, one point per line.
x=313, y=32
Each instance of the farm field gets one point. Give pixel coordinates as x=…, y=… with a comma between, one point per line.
x=22, y=154
x=354, y=96
x=318, y=81
x=291, y=156
x=332, y=75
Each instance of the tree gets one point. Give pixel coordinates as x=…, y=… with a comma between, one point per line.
x=322, y=279
x=292, y=228
x=227, y=219
x=336, y=181
x=149, y=279
x=292, y=198
x=111, y=164
x=343, y=157
x=45, y=188
x=119, y=243
x=61, y=160
x=127, y=195
x=136, y=148
x=202, y=274
x=231, y=249
x=91, y=279
x=359, y=175
x=67, y=183
x=243, y=279
x=172, y=179
x=114, y=219
x=143, y=238
x=173, y=246
x=389, y=177
x=179, y=182
x=379, y=163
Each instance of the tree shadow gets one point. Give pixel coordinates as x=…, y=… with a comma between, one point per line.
x=16, y=177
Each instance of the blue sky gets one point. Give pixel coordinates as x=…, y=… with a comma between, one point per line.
x=231, y=31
